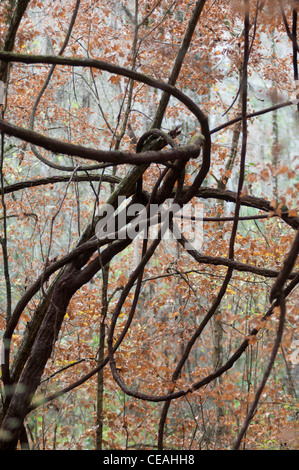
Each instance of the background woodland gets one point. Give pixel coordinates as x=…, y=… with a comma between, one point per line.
x=143, y=344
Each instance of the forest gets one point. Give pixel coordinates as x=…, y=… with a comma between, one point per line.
x=149, y=225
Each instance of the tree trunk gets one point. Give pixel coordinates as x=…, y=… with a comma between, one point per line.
x=100, y=381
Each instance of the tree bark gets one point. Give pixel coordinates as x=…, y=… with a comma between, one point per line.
x=17, y=404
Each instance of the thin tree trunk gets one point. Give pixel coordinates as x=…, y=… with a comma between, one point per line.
x=217, y=328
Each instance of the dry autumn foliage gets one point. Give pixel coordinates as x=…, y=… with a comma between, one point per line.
x=135, y=342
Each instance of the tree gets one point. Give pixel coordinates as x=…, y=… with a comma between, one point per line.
x=112, y=105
